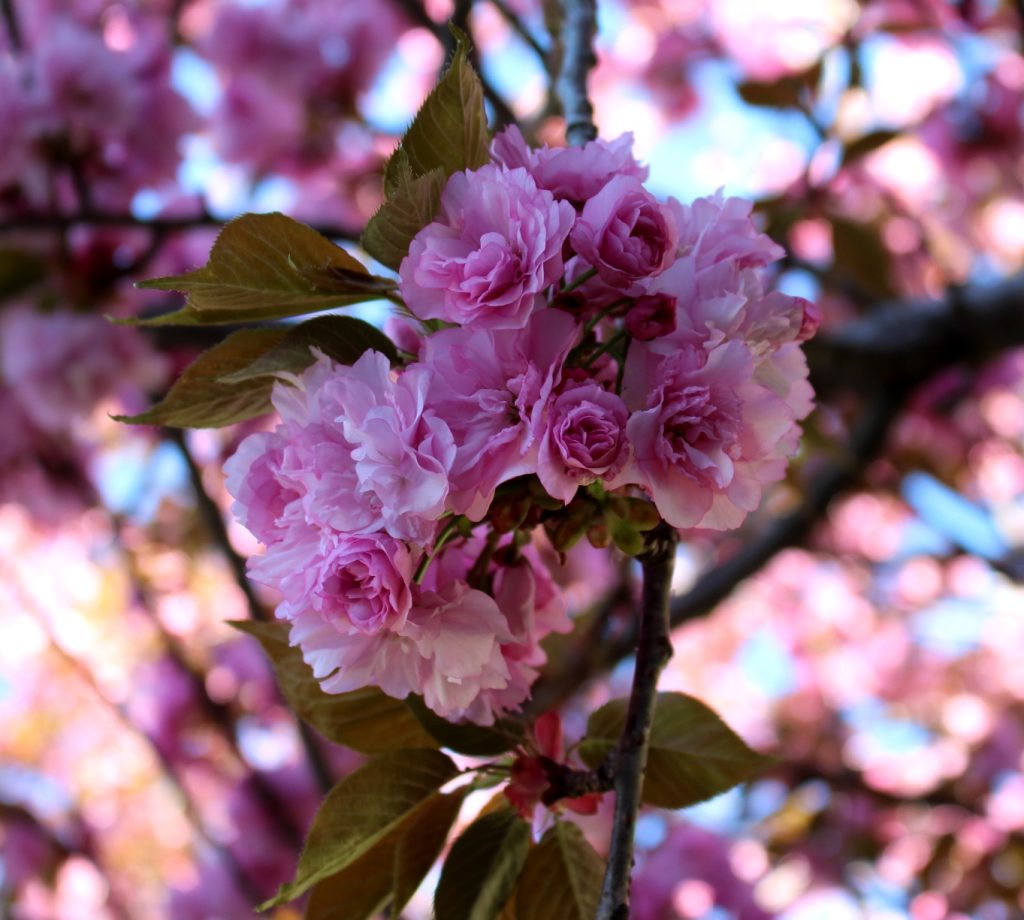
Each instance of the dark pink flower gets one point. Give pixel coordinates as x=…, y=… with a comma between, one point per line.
x=585, y=440
x=625, y=233
x=651, y=317
x=495, y=248
x=492, y=388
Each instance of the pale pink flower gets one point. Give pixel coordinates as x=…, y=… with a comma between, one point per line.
x=357, y=451
x=494, y=249
x=492, y=388
x=253, y=478
x=704, y=432
x=459, y=634
x=625, y=233
x=574, y=174
x=717, y=229
x=585, y=440
x=447, y=649
x=347, y=582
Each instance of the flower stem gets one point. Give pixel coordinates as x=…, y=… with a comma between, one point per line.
x=605, y=347
x=443, y=537
x=579, y=280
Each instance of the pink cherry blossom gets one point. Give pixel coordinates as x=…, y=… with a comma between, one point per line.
x=585, y=440
x=705, y=433
x=573, y=174
x=624, y=233
x=357, y=451
x=495, y=248
x=492, y=388
x=350, y=582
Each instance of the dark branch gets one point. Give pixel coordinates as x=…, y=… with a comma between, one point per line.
x=653, y=651
x=901, y=343
x=519, y=27
x=214, y=521
x=578, y=30
x=161, y=225
x=10, y=15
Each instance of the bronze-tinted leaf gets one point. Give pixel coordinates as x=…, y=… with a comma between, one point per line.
x=408, y=210
x=482, y=867
x=693, y=756
x=343, y=338
x=200, y=397
x=465, y=737
x=365, y=720
x=363, y=810
x=562, y=877
x=267, y=266
x=449, y=132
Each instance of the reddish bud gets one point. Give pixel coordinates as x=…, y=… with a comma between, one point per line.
x=651, y=317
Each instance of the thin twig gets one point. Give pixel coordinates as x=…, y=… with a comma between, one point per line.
x=214, y=521
x=653, y=652
x=578, y=30
x=519, y=27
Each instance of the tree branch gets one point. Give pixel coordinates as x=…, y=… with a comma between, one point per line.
x=901, y=343
x=653, y=651
x=503, y=115
x=11, y=22
x=165, y=225
x=578, y=30
x=214, y=521
x=519, y=27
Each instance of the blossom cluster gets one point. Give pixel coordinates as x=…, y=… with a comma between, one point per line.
x=563, y=324
x=87, y=112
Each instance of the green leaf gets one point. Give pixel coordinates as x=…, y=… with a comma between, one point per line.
x=200, y=398
x=562, y=877
x=365, y=720
x=392, y=870
x=267, y=266
x=466, y=738
x=693, y=756
x=422, y=843
x=362, y=810
x=412, y=206
x=449, y=132
x=19, y=270
x=482, y=867
x=867, y=144
x=343, y=338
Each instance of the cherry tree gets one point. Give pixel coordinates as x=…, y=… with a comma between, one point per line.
x=506, y=494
